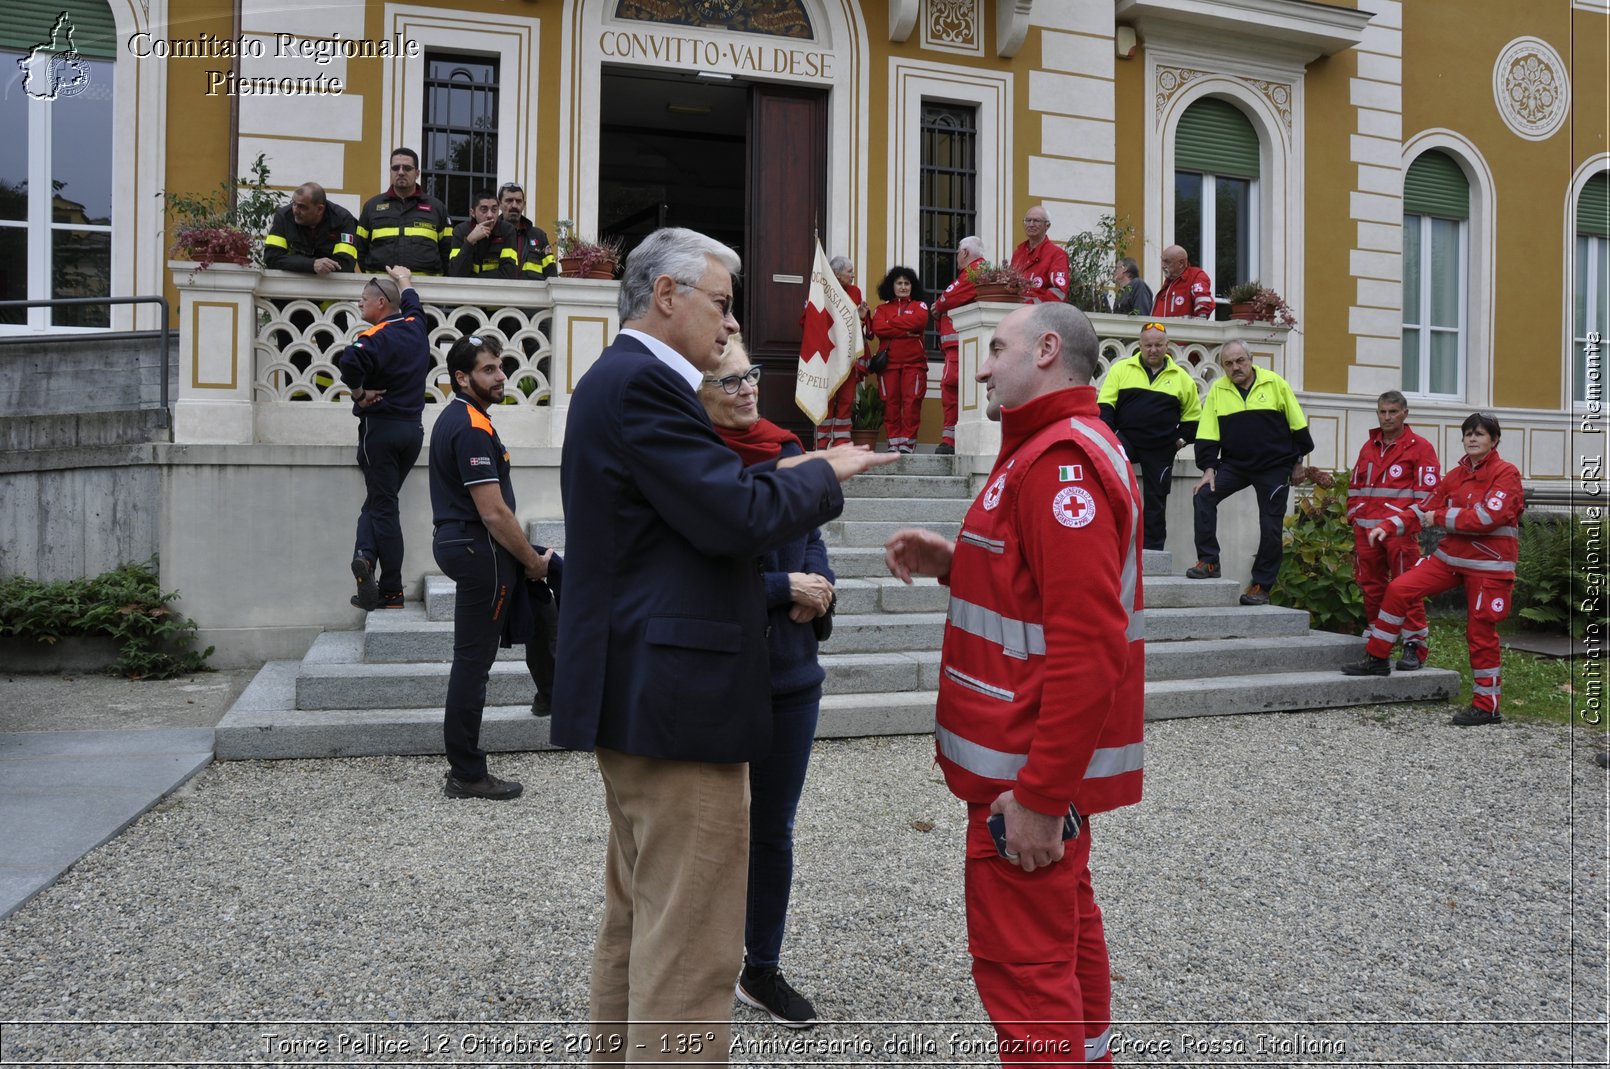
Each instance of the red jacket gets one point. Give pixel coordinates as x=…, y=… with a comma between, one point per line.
x=1047, y=268
x=900, y=324
x=1390, y=477
x=1042, y=676
x=1190, y=295
x=958, y=293
x=1480, y=505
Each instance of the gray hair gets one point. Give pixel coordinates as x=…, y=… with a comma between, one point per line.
x=1073, y=330
x=1393, y=397
x=1225, y=348
x=1131, y=268
x=840, y=263
x=971, y=244
x=682, y=254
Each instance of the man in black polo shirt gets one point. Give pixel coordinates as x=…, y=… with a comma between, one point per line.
x=480, y=546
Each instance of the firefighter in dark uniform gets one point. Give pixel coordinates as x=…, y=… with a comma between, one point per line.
x=312, y=235
x=405, y=226
x=1151, y=403
x=501, y=597
x=531, y=241
x=386, y=368
x=484, y=244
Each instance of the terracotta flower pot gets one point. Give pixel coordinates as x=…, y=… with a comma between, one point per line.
x=864, y=435
x=1244, y=311
x=994, y=291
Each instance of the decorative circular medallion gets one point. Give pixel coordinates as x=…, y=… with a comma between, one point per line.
x=1531, y=88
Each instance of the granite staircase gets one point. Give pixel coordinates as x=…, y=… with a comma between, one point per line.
x=380, y=690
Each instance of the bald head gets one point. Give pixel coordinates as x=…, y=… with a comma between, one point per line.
x=1175, y=261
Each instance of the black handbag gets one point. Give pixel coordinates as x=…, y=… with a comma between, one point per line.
x=879, y=364
x=823, y=624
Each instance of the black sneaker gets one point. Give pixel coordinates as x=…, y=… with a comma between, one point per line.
x=368, y=596
x=765, y=989
x=1413, y=659
x=1203, y=570
x=541, y=705
x=392, y=601
x=491, y=788
x=1369, y=666
x=944, y=449
x=1474, y=717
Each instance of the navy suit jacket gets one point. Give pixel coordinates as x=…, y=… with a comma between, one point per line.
x=662, y=628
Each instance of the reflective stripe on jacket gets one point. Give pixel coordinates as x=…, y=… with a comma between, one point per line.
x=1480, y=505
x=1391, y=477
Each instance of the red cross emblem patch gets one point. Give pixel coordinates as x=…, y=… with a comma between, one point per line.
x=1073, y=506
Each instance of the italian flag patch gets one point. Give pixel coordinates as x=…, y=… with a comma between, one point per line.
x=1071, y=473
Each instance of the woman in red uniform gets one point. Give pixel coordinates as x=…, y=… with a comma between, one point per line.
x=1479, y=502
x=899, y=321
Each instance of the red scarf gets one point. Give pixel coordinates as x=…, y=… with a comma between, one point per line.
x=763, y=441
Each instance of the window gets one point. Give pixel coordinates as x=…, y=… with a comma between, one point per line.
x=1592, y=294
x=1436, y=203
x=460, y=152
x=1216, y=160
x=948, y=196
x=58, y=99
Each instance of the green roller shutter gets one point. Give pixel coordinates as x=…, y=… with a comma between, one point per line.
x=28, y=23
x=1214, y=137
x=1593, y=207
x=1436, y=186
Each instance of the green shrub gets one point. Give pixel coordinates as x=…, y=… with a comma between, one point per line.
x=1316, y=573
x=125, y=604
x=1550, y=579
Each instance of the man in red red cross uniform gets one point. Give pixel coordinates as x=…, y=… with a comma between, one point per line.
x=970, y=253
x=1044, y=262
x=1395, y=471
x=1187, y=291
x=1040, y=712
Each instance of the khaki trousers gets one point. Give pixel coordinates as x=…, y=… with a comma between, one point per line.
x=671, y=942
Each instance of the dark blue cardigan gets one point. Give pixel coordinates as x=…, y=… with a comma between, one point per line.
x=792, y=645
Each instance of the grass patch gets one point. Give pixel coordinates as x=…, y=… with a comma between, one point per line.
x=1535, y=688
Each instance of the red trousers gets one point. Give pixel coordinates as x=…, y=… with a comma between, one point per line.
x=1039, y=952
x=1487, y=600
x=1376, y=566
x=950, y=394
x=903, y=387
x=835, y=429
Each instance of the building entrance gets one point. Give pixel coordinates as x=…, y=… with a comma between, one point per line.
x=742, y=162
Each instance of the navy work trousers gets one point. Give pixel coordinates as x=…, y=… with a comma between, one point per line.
x=1271, y=486
x=387, y=449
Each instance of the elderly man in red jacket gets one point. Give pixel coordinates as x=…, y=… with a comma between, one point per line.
x=970, y=253
x=1187, y=291
x=1043, y=261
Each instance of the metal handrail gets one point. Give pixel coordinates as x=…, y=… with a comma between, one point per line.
x=68, y=302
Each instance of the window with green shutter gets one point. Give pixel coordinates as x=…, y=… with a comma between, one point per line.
x=28, y=24
x=1593, y=207
x=1216, y=166
x=1215, y=137
x=1435, y=185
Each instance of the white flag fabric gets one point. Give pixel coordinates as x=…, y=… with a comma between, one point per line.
x=831, y=341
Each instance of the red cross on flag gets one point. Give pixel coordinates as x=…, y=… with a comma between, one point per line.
x=830, y=343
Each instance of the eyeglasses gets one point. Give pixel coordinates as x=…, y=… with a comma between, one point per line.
x=733, y=383
x=721, y=300
x=1030, y=221
x=402, y=167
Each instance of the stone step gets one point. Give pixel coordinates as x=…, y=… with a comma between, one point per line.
x=1178, y=592
x=868, y=533
x=1285, y=691
x=1217, y=623
x=914, y=464
x=858, y=596
x=880, y=485
x=1205, y=659
x=907, y=511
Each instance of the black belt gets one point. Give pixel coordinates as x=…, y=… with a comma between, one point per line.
x=461, y=523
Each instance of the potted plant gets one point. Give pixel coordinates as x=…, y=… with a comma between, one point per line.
x=580, y=258
x=226, y=226
x=866, y=415
x=1252, y=302
x=998, y=282
x=1091, y=256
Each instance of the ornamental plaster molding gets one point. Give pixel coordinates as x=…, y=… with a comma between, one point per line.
x=1531, y=88
x=1170, y=80
x=954, y=26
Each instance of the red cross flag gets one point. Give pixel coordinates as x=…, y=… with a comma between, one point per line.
x=831, y=341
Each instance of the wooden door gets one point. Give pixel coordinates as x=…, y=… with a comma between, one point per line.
x=787, y=203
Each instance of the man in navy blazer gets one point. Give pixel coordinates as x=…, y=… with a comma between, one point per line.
x=662, y=665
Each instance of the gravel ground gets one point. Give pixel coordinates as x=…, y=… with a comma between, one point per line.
x=1354, y=887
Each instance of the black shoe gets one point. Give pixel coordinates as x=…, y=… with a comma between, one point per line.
x=1603, y=757
x=491, y=788
x=1413, y=659
x=944, y=449
x=392, y=601
x=1204, y=570
x=765, y=989
x=368, y=596
x=1255, y=595
x=1474, y=717
x=1369, y=666
x=541, y=705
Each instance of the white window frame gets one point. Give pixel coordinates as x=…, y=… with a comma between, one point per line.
x=1461, y=331
x=39, y=225
x=1208, y=242
x=1585, y=171
x=1595, y=288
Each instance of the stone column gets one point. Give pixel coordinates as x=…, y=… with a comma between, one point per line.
x=217, y=327
x=585, y=320
x=976, y=435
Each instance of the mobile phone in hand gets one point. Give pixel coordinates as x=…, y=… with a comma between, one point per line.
x=1071, y=823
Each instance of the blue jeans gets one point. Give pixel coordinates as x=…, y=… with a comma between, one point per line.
x=775, y=783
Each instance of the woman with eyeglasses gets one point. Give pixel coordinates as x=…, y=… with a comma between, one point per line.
x=799, y=598
x=899, y=321
x=1479, y=503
